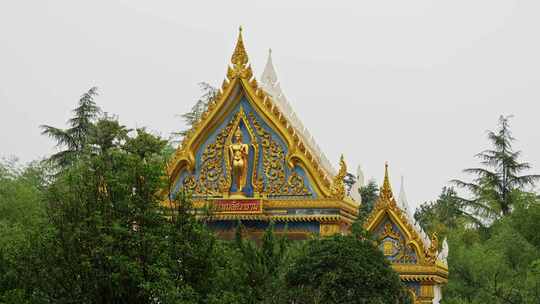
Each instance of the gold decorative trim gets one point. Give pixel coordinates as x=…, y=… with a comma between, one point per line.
x=312, y=204
x=277, y=218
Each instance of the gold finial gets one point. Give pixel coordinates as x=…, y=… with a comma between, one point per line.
x=431, y=252
x=342, y=166
x=337, y=189
x=239, y=58
x=386, y=189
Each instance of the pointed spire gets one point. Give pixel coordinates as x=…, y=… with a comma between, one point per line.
x=342, y=166
x=269, y=75
x=239, y=57
x=386, y=189
x=239, y=60
x=360, y=176
x=355, y=191
x=402, y=198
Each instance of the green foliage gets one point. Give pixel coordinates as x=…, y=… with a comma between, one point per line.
x=343, y=269
x=444, y=214
x=251, y=272
x=108, y=232
x=21, y=212
x=369, y=194
x=498, y=267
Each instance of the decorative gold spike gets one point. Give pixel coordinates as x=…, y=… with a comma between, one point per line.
x=386, y=194
x=431, y=252
x=337, y=190
x=239, y=57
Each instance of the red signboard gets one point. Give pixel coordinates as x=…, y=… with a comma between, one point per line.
x=238, y=206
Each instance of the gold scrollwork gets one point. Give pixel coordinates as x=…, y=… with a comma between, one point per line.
x=296, y=186
x=190, y=183
x=389, y=231
x=273, y=160
x=211, y=177
x=277, y=183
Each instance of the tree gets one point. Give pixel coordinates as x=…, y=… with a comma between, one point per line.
x=21, y=213
x=500, y=267
x=108, y=238
x=444, y=214
x=349, y=181
x=75, y=138
x=369, y=194
x=209, y=93
x=253, y=272
x=496, y=183
x=343, y=269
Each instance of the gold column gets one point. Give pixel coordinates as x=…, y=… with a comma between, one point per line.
x=426, y=293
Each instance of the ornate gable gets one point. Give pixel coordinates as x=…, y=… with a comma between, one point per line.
x=287, y=161
x=411, y=252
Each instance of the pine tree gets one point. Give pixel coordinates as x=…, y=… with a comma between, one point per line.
x=499, y=177
x=75, y=138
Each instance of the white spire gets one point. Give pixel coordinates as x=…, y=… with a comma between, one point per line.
x=360, y=179
x=443, y=255
x=402, y=198
x=269, y=76
x=270, y=83
x=355, y=190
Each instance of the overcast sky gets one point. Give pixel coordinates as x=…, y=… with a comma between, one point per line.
x=416, y=83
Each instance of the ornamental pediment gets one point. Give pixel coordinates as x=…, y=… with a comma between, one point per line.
x=245, y=147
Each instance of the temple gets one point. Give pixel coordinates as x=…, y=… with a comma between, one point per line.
x=249, y=159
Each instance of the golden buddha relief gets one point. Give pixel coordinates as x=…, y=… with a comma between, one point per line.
x=239, y=158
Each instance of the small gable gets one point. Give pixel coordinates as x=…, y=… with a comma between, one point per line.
x=396, y=235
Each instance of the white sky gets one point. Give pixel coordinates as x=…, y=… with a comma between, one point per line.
x=416, y=83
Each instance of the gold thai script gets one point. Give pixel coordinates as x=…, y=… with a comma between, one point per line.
x=238, y=206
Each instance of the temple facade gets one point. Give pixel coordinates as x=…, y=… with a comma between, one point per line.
x=250, y=159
